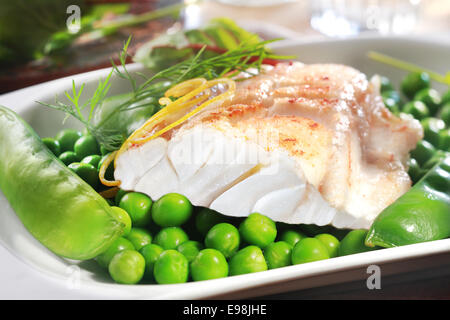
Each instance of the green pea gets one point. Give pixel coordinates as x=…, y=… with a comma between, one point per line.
x=247, y=260
x=431, y=128
x=86, y=172
x=292, y=236
x=138, y=206
x=190, y=249
x=207, y=218
x=391, y=105
x=385, y=84
x=209, y=264
x=423, y=151
x=417, y=109
x=67, y=139
x=171, y=210
x=52, y=145
x=278, y=254
x=123, y=217
x=127, y=267
x=414, y=170
x=258, y=230
x=68, y=157
x=171, y=267
x=139, y=237
x=431, y=98
x=109, y=173
x=119, y=196
x=444, y=139
x=437, y=157
x=445, y=97
x=223, y=237
x=151, y=253
x=92, y=160
x=170, y=237
x=445, y=113
x=309, y=250
x=117, y=246
x=392, y=94
x=438, y=182
x=85, y=146
x=330, y=242
x=414, y=82
x=354, y=243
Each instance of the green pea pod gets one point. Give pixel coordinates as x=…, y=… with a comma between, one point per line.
x=58, y=208
x=421, y=214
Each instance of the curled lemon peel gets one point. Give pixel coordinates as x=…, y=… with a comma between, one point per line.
x=193, y=102
x=188, y=99
x=189, y=93
x=185, y=87
x=164, y=101
x=101, y=174
x=171, y=108
x=181, y=89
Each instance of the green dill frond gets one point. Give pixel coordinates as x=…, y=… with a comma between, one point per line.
x=230, y=63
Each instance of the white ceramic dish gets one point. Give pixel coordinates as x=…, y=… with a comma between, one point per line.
x=30, y=271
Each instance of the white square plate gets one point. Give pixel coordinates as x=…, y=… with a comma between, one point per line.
x=30, y=271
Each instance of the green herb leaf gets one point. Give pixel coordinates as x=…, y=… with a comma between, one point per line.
x=168, y=49
x=111, y=128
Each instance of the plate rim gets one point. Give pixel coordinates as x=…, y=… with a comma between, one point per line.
x=236, y=283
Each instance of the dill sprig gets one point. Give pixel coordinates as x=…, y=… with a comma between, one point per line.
x=75, y=109
x=228, y=64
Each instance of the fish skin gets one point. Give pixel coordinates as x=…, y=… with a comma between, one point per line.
x=299, y=143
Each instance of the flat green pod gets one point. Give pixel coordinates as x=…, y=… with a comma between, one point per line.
x=56, y=206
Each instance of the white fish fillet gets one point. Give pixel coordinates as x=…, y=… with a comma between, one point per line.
x=299, y=143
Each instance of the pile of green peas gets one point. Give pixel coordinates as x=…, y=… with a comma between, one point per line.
x=417, y=98
x=81, y=153
x=170, y=241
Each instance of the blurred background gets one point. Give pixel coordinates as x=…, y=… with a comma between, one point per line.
x=41, y=40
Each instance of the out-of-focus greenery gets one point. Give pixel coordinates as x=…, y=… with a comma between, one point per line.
x=30, y=29
x=62, y=39
x=169, y=49
x=27, y=25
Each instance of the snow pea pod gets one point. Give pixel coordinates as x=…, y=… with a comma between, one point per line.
x=56, y=206
x=421, y=214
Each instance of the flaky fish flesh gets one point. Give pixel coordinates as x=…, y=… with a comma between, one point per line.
x=298, y=143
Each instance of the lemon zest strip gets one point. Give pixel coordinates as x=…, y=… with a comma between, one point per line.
x=209, y=84
x=170, y=108
x=101, y=174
